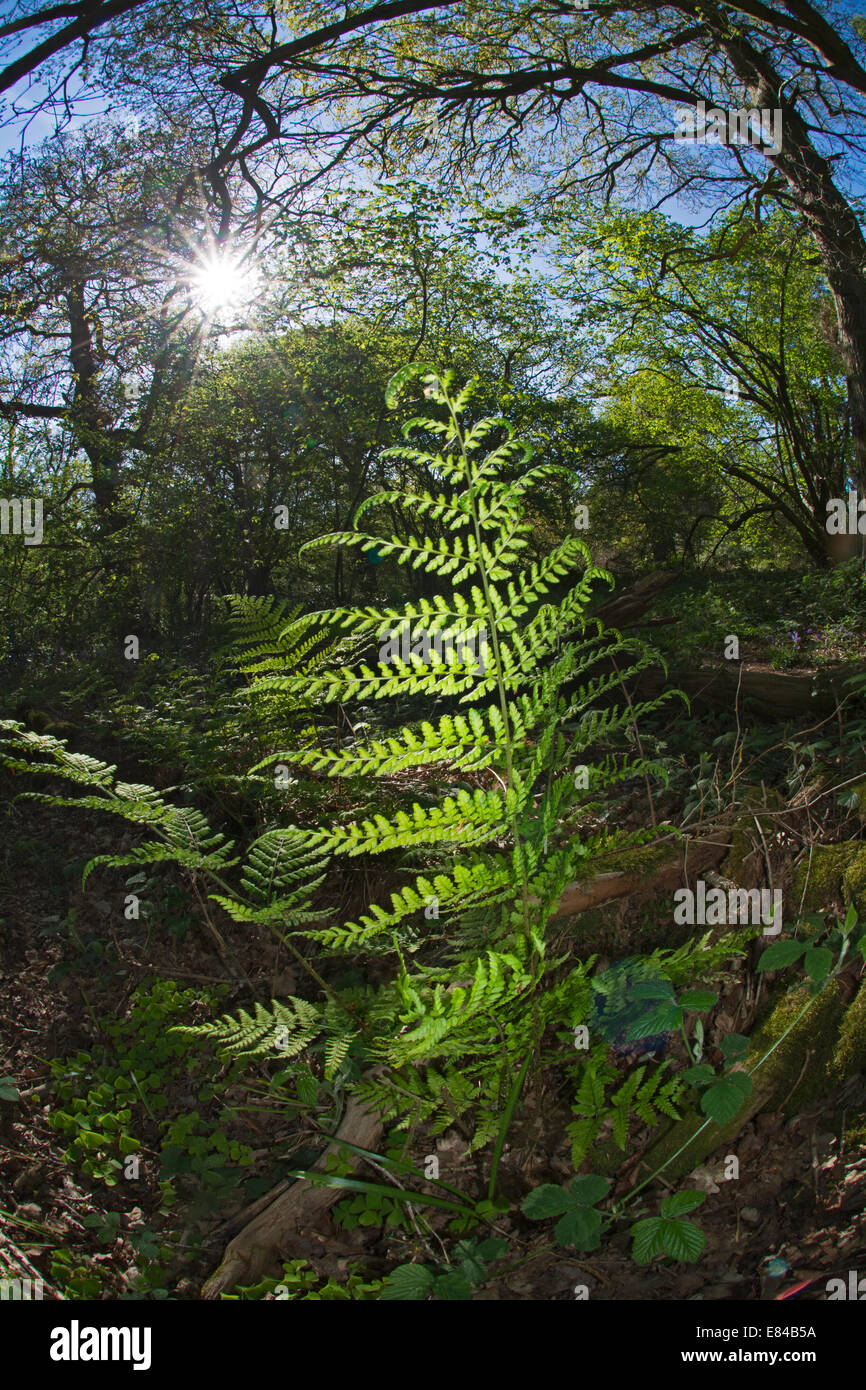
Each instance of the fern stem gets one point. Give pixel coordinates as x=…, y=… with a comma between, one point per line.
x=500, y=684
x=506, y=1122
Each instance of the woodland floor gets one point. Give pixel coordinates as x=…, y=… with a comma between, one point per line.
x=803, y=1201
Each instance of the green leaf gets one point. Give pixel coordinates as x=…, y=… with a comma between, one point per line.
x=654, y=1235
x=653, y=989
x=589, y=1189
x=407, y=1284
x=722, y=1100
x=580, y=1227
x=701, y=1075
x=780, y=954
x=818, y=963
x=646, y=1239
x=8, y=1089
x=406, y=374
x=850, y=920
x=698, y=999
x=453, y=1286
x=307, y=1088
x=356, y=1185
x=546, y=1201
x=493, y=1248
x=733, y=1046
x=661, y=1020
x=682, y=1240
x=678, y=1203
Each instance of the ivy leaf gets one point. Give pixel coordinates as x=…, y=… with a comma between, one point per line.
x=722, y=1100
x=780, y=954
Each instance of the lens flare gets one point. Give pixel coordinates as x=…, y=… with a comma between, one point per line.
x=222, y=285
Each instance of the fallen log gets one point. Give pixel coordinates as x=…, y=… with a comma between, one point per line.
x=256, y=1248
x=773, y=693
x=687, y=857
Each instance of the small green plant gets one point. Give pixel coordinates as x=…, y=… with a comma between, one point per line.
x=300, y=1282
x=529, y=715
x=74, y=1279
x=446, y=1282
x=669, y=1233
x=105, y=1106
x=579, y=1223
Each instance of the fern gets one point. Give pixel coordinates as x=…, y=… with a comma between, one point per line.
x=471, y=994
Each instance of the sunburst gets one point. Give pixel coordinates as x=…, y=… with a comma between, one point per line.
x=222, y=285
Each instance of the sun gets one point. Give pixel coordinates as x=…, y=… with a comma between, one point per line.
x=222, y=284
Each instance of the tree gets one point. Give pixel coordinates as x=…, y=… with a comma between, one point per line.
x=569, y=96
x=99, y=335
x=723, y=342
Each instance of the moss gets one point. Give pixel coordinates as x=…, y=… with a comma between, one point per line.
x=644, y=859
x=849, y=1054
x=745, y=841
x=827, y=877
x=855, y=1136
x=607, y=1157
x=601, y=930
x=809, y=1045
x=796, y=1072
x=741, y=851
x=855, y=878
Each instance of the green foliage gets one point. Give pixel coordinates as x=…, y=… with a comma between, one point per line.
x=105, y=1105
x=300, y=1282
x=579, y=1224
x=602, y=1095
x=376, y=1207
x=75, y=1280
x=668, y=1233
x=445, y=1035
x=454, y=1282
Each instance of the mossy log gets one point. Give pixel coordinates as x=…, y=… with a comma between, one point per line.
x=824, y=1048
x=831, y=877
x=649, y=869
x=777, y=694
